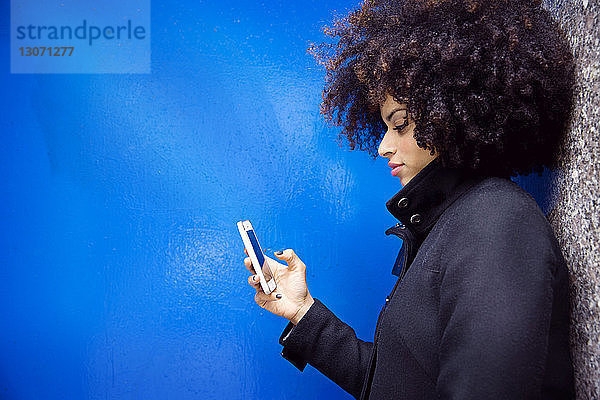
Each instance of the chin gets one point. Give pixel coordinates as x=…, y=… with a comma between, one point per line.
x=404, y=180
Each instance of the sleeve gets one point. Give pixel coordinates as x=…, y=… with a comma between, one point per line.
x=330, y=346
x=495, y=308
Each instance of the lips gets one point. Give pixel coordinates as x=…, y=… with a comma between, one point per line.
x=395, y=168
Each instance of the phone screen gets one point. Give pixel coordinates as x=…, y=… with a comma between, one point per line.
x=259, y=255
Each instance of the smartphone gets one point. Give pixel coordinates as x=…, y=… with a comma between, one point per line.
x=256, y=256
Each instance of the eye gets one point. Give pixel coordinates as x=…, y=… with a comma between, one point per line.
x=401, y=127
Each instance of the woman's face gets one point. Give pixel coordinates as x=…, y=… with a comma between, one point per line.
x=399, y=145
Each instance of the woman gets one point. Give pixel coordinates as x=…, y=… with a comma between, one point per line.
x=458, y=95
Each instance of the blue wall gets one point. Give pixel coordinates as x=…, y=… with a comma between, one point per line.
x=121, y=267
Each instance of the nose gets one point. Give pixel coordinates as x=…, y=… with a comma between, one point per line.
x=386, y=148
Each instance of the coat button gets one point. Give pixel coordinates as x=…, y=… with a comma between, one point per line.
x=403, y=202
x=415, y=219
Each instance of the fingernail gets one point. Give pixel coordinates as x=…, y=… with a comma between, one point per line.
x=254, y=278
x=279, y=295
x=279, y=252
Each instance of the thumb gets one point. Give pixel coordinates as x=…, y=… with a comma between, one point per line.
x=290, y=257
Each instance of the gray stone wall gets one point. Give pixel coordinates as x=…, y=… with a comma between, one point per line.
x=575, y=214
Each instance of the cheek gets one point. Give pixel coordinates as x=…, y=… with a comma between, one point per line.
x=405, y=146
x=408, y=148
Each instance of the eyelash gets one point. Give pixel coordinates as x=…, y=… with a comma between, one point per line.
x=401, y=127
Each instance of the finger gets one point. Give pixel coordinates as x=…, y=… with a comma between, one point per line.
x=261, y=297
x=290, y=257
x=245, y=251
x=254, y=280
x=248, y=264
x=274, y=266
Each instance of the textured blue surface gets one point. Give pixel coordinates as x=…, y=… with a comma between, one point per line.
x=121, y=266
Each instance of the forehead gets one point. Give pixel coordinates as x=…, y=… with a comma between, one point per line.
x=389, y=105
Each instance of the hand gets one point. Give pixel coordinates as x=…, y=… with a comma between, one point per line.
x=295, y=300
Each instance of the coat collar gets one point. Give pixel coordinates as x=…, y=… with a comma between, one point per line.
x=420, y=203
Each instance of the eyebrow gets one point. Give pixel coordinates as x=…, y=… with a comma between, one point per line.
x=395, y=111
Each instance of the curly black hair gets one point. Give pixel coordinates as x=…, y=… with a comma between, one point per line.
x=489, y=83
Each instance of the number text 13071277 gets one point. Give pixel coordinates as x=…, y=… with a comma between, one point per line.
x=48, y=51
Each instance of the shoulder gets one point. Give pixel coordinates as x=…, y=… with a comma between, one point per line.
x=497, y=200
x=499, y=192
x=496, y=216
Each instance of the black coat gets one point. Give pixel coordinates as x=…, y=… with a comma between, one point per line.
x=480, y=310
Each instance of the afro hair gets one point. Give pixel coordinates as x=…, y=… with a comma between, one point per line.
x=489, y=83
